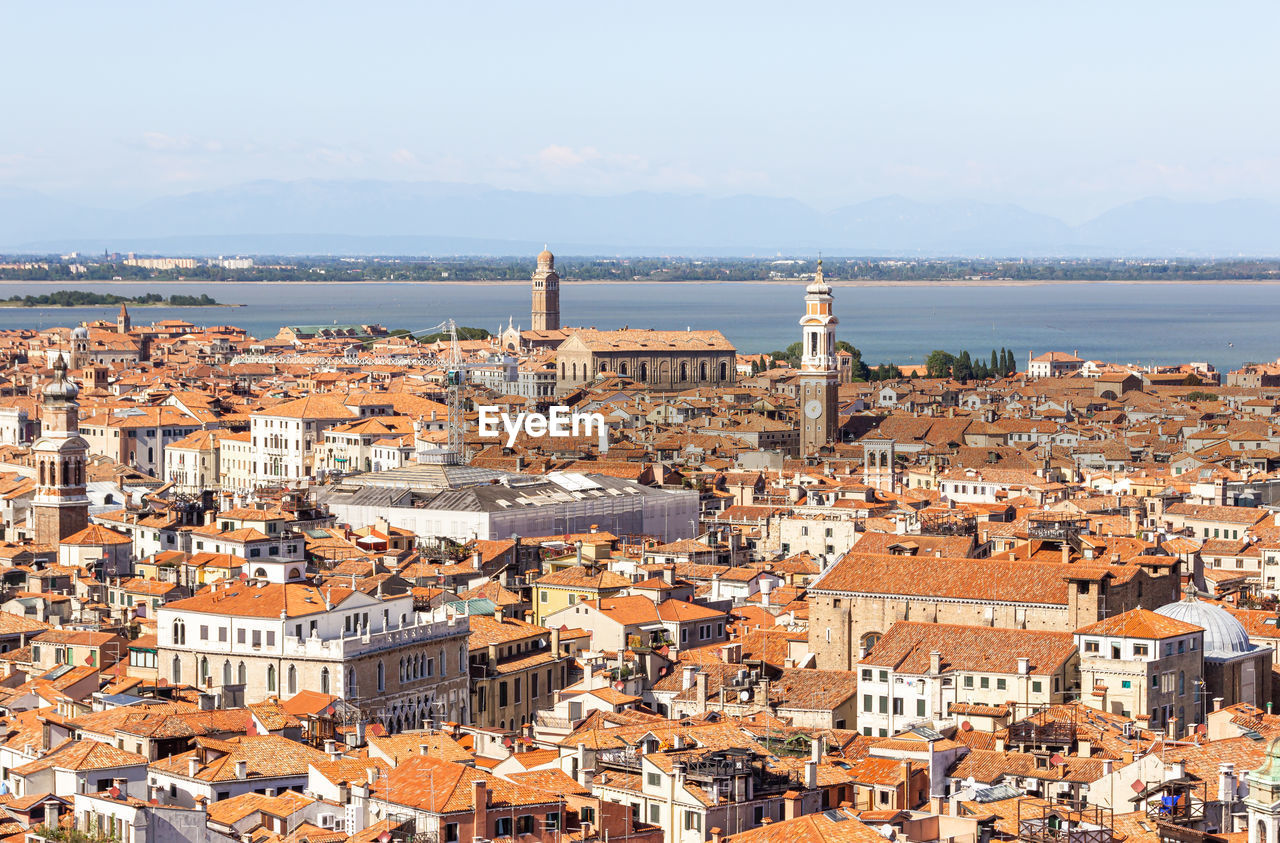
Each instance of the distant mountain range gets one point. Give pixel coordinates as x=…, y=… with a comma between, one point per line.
x=435, y=218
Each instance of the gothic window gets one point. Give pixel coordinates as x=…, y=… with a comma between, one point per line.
x=179, y=633
x=271, y=677
x=813, y=344
x=293, y=679
x=226, y=673
x=177, y=669
x=324, y=681
x=242, y=674
x=204, y=668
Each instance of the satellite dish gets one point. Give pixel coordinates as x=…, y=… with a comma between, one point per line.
x=662, y=671
x=619, y=685
x=966, y=726
x=744, y=695
x=507, y=742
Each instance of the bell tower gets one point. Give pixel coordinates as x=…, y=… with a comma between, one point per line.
x=123, y=322
x=60, y=506
x=819, y=371
x=546, y=293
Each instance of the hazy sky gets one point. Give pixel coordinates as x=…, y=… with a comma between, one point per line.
x=1067, y=108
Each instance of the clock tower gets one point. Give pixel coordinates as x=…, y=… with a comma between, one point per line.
x=819, y=374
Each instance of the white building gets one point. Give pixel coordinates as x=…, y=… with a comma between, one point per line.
x=275, y=639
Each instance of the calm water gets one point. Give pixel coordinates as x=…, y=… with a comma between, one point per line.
x=1225, y=324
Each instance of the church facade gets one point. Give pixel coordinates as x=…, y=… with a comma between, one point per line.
x=667, y=361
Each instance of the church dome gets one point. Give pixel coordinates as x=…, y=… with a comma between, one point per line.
x=545, y=258
x=61, y=387
x=1224, y=636
x=80, y=332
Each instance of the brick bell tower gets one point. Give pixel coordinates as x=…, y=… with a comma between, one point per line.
x=546, y=293
x=819, y=371
x=60, y=506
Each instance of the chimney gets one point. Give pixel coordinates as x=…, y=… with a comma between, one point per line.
x=193, y=766
x=498, y=613
x=1217, y=703
x=686, y=676
x=717, y=836
x=1024, y=666
x=701, y=681
x=811, y=775
x=577, y=546
x=1066, y=553
x=477, y=560
x=669, y=574
x=1227, y=789
x=555, y=641
x=935, y=663
x=242, y=769
x=1108, y=766
x=480, y=794
x=791, y=805
x=493, y=654
x=51, y=815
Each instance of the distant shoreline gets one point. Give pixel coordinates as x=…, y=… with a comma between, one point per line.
x=950, y=282
x=22, y=306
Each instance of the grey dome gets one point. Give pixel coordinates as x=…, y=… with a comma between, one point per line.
x=1224, y=636
x=80, y=332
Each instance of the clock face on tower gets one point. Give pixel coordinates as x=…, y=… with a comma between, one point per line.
x=813, y=408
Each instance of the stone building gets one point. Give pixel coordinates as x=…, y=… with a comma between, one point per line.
x=253, y=639
x=1141, y=662
x=662, y=360
x=856, y=601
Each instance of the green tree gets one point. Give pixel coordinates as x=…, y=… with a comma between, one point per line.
x=962, y=367
x=938, y=364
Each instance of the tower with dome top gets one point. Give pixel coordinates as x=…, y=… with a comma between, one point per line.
x=61, y=504
x=819, y=372
x=546, y=293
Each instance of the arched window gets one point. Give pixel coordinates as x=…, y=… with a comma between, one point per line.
x=226, y=673
x=79, y=473
x=562, y=370
x=870, y=640
x=702, y=371
x=271, y=678
x=813, y=344
x=177, y=669
x=324, y=681
x=293, y=680
x=204, y=668
x=351, y=683
x=622, y=369
x=724, y=371
x=382, y=682
x=575, y=371
x=684, y=371
x=644, y=371
x=66, y=474
x=42, y=483
x=179, y=633
x=242, y=674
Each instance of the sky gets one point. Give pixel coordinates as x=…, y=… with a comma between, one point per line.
x=1067, y=109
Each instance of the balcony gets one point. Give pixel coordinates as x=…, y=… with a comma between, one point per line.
x=366, y=643
x=627, y=758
